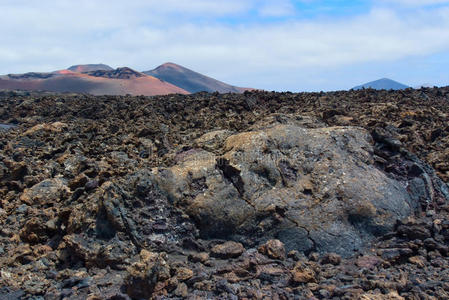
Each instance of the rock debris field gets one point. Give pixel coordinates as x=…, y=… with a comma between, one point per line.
x=261, y=195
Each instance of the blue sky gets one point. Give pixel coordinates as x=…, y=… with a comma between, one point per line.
x=291, y=10
x=306, y=45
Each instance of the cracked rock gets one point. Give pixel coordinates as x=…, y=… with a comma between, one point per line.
x=314, y=189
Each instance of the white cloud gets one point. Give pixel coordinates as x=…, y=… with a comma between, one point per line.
x=47, y=35
x=416, y=2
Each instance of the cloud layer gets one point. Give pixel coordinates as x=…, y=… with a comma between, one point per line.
x=242, y=42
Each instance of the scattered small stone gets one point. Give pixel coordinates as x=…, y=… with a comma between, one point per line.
x=417, y=260
x=182, y=290
x=331, y=258
x=228, y=249
x=78, y=181
x=368, y=261
x=314, y=256
x=294, y=254
x=394, y=254
x=121, y=199
x=274, y=249
x=184, y=274
x=91, y=185
x=201, y=257
x=303, y=274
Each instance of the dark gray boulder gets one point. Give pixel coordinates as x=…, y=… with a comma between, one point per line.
x=315, y=188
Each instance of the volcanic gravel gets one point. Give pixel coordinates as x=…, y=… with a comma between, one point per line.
x=81, y=219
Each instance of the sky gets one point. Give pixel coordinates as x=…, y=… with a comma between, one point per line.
x=282, y=45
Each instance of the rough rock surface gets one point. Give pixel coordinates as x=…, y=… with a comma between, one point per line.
x=228, y=250
x=84, y=216
x=273, y=249
x=315, y=189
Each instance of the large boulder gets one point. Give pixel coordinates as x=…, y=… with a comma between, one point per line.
x=314, y=188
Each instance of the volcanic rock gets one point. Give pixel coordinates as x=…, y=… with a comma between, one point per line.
x=273, y=249
x=55, y=127
x=119, y=73
x=331, y=258
x=303, y=273
x=184, y=274
x=315, y=189
x=199, y=257
x=229, y=249
x=181, y=290
x=95, y=210
x=45, y=192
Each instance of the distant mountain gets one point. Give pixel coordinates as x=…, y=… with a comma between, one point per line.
x=119, y=73
x=120, y=81
x=191, y=81
x=101, y=79
x=89, y=68
x=382, y=84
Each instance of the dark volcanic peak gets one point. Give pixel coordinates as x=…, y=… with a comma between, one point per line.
x=31, y=75
x=191, y=81
x=382, y=84
x=119, y=73
x=89, y=68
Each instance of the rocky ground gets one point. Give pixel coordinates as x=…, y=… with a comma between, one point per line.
x=338, y=195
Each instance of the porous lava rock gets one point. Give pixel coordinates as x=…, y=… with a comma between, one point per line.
x=228, y=250
x=315, y=188
x=274, y=249
x=88, y=209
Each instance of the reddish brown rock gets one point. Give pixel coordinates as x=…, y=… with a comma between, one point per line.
x=229, y=249
x=379, y=296
x=274, y=249
x=53, y=127
x=420, y=261
x=331, y=258
x=45, y=192
x=183, y=273
x=368, y=261
x=303, y=274
x=201, y=257
x=78, y=181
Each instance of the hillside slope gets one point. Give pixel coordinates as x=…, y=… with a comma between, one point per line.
x=191, y=81
x=382, y=84
x=89, y=68
x=121, y=81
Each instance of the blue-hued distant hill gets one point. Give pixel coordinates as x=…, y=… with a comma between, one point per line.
x=382, y=84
